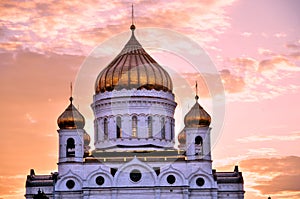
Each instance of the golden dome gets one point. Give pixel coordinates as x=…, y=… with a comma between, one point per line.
x=133, y=68
x=71, y=118
x=86, y=138
x=197, y=116
x=182, y=137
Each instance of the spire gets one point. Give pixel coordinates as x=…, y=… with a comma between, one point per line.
x=132, y=44
x=196, y=97
x=132, y=27
x=132, y=15
x=71, y=118
x=71, y=93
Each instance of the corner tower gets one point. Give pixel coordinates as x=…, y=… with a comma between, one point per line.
x=133, y=102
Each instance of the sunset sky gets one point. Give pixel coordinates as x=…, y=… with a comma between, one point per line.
x=254, y=45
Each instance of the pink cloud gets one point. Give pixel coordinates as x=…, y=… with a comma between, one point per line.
x=280, y=35
x=262, y=138
x=277, y=63
x=53, y=24
x=247, y=34
x=265, y=52
x=232, y=83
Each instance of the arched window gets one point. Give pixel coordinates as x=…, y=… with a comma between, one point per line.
x=198, y=140
x=119, y=127
x=134, y=126
x=105, y=128
x=198, y=145
x=163, y=128
x=70, y=147
x=150, y=128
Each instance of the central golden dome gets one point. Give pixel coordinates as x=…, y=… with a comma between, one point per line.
x=133, y=68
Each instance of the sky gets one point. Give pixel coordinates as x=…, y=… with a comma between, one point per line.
x=254, y=45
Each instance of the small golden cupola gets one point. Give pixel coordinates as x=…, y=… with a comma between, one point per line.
x=71, y=118
x=182, y=137
x=197, y=116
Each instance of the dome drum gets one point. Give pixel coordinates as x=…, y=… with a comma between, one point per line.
x=108, y=110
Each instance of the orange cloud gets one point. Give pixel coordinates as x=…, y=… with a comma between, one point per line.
x=287, y=183
x=276, y=176
x=289, y=165
x=232, y=83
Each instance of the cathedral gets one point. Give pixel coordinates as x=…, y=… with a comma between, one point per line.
x=134, y=141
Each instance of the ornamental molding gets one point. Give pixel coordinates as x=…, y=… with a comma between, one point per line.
x=133, y=93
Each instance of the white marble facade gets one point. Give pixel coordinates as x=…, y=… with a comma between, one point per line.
x=134, y=155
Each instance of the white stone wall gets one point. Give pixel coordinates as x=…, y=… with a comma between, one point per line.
x=155, y=186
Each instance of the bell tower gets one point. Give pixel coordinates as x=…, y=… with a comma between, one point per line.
x=195, y=137
x=73, y=140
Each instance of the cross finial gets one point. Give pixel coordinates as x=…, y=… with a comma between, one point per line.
x=132, y=15
x=132, y=27
x=71, y=92
x=196, y=97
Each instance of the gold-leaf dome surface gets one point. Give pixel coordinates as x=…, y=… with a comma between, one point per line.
x=197, y=117
x=71, y=118
x=182, y=137
x=133, y=68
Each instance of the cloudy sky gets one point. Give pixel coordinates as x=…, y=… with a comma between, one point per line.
x=254, y=45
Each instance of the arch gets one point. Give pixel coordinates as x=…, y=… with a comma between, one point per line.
x=180, y=179
x=91, y=179
x=134, y=126
x=150, y=126
x=105, y=128
x=119, y=127
x=122, y=176
x=208, y=181
x=198, y=140
x=61, y=183
x=163, y=128
x=70, y=148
